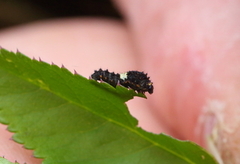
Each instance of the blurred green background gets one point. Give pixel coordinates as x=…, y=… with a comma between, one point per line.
x=15, y=12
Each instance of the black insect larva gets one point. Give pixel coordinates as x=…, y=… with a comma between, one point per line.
x=138, y=81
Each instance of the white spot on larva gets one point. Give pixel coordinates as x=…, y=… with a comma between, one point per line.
x=123, y=76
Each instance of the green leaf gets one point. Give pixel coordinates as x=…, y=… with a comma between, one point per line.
x=5, y=161
x=69, y=119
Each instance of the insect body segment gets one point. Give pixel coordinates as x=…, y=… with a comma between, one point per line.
x=138, y=81
x=135, y=80
x=106, y=76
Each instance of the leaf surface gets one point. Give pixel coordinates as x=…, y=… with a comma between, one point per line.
x=69, y=119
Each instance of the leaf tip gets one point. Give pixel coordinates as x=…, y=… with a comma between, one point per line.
x=18, y=51
x=63, y=66
x=75, y=72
